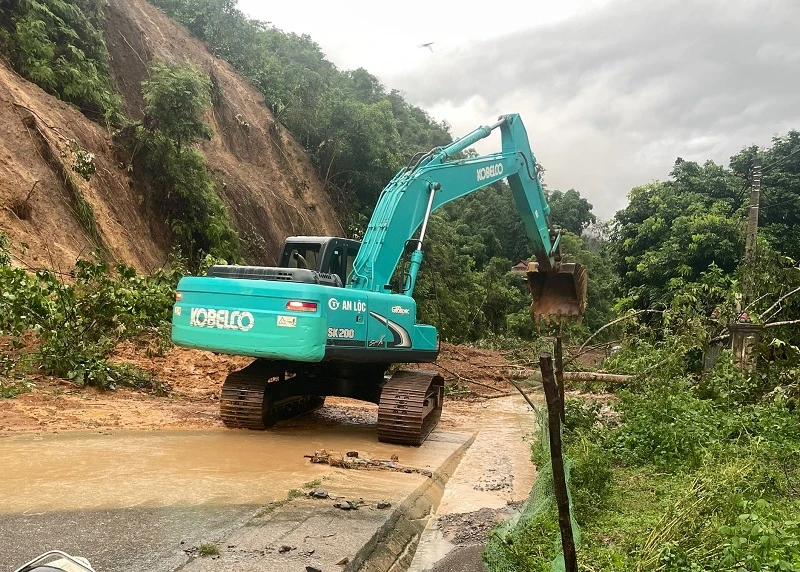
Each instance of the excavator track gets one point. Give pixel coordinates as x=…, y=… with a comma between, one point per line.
x=410, y=407
x=250, y=400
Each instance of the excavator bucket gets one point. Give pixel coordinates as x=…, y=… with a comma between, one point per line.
x=559, y=294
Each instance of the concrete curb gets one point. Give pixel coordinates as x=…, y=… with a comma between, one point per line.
x=392, y=547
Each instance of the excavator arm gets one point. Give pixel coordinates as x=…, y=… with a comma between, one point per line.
x=439, y=177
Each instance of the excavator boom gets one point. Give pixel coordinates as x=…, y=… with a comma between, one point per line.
x=558, y=289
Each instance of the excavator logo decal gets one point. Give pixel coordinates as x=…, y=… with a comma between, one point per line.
x=400, y=336
x=490, y=171
x=222, y=319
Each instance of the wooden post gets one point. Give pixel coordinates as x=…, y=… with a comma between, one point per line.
x=559, y=357
x=557, y=460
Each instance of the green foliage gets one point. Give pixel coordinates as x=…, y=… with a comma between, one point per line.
x=529, y=546
x=471, y=246
x=591, y=475
x=80, y=323
x=5, y=256
x=779, y=209
x=726, y=384
x=208, y=550
x=665, y=426
x=677, y=230
x=762, y=539
x=465, y=302
x=176, y=98
x=10, y=389
x=82, y=161
x=580, y=414
x=59, y=45
x=487, y=225
x=356, y=133
x=603, y=284
x=181, y=186
x=570, y=211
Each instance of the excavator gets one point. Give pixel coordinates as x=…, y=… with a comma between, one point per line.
x=335, y=314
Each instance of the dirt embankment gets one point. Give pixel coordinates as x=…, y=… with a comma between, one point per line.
x=35, y=134
x=195, y=379
x=262, y=174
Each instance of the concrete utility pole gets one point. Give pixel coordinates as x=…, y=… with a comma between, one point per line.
x=745, y=335
x=752, y=217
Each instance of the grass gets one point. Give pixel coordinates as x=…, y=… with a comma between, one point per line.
x=312, y=484
x=11, y=389
x=290, y=496
x=637, y=500
x=208, y=550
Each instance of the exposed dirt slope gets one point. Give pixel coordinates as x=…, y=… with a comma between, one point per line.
x=262, y=174
x=34, y=132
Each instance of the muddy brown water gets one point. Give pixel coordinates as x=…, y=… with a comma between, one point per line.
x=81, y=470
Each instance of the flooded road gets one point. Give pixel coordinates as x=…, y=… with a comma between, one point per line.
x=143, y=500
x=81, y=470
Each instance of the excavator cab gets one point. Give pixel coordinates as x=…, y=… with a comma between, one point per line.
x=323, y=254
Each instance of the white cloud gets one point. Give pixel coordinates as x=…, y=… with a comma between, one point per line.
x=611, y=91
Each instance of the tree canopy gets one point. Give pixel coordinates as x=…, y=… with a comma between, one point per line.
x=570, y=211
x=676, y=229
x=356, y=132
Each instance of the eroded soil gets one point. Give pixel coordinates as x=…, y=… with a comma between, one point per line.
x=194, y=379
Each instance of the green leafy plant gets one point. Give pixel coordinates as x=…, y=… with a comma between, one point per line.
x=5, y=256
x=176, y=98
x=208, y=550
x=59, y=46
x=580, y=414
x=79, y=323
x=762, y=539
x=666, y=425
x=728, y=385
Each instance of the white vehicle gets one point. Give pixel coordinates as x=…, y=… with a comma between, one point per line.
x=56, y=561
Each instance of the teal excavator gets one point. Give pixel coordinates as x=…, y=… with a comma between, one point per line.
x=335, y=314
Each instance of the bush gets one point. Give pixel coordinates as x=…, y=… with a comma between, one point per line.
x=580, y=414
x=59, y=46
x=727, y=385
x=762, y=539
x=80, y=323
x=179, y=181
x=666, y=426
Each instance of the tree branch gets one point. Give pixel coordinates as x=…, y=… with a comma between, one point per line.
x=786, y=323
x=779, y=300
x=612, y=322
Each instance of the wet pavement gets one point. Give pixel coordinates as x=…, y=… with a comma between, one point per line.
x=495, y=472
x=138, y=500
x=144, y=500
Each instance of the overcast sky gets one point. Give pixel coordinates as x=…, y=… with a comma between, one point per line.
x=611, y=91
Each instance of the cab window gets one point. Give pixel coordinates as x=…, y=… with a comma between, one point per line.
x=351, y=257
x=300, y=256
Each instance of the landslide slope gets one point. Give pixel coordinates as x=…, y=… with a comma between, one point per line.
x=262, y=174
